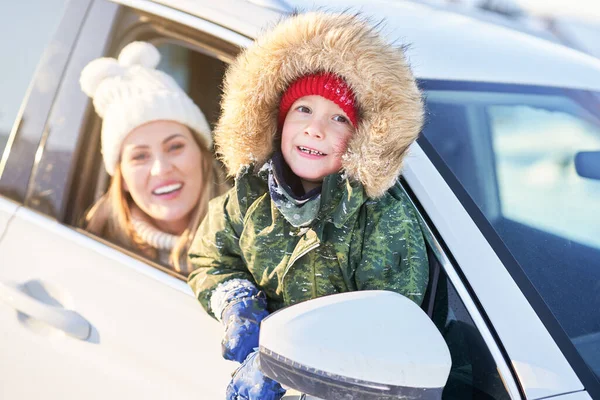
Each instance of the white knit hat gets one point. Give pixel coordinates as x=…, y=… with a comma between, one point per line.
x=129, y=92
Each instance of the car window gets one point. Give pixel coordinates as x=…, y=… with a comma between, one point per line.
x=513, y=149
x=181, y=63
x=474, y=374
x=26, y=36
x=200, y=75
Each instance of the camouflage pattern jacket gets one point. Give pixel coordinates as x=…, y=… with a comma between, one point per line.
x=365, y=235
x=354, y=243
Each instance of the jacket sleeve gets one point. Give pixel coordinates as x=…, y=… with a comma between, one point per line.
x=215, y=253
x=394, y=256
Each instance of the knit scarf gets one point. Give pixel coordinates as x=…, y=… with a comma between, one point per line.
x=284, y=187
x=154, y=237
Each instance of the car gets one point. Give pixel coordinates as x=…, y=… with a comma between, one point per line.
x=502, y=176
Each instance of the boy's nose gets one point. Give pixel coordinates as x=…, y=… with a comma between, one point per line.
x=315, y=129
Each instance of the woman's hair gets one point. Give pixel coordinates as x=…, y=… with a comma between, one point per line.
x=110, y=217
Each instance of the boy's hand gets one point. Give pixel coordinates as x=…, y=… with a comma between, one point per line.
x=242, y=322
x=249, y=383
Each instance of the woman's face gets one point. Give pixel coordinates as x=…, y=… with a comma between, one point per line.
x=161, y=166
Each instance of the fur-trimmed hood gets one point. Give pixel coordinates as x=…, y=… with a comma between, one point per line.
x=389, y=103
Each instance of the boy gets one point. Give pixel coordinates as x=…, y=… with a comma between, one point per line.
x=317, y=117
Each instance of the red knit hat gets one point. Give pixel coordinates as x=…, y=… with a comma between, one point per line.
x=326, y=85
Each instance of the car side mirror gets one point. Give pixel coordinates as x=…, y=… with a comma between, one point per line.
x=357, y=345
x=587, y=164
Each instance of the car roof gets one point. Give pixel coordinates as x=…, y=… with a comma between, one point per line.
x=442, y=45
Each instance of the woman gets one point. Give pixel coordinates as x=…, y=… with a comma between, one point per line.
x=156, y=146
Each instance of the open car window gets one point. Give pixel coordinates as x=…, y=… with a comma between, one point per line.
x=69, y=177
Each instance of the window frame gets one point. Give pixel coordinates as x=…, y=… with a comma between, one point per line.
x=467, y=296
x=57, y=197
x=71, y=196
x=19, y=155
x=61, y=144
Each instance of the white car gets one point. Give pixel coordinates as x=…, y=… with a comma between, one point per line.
x=505, y=177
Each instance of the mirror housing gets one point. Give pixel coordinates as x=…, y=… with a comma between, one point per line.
x=587, y=164
x=359, y=345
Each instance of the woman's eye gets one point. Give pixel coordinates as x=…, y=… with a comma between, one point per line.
x=303, y=109
x=139, y=156
x=341, y=118
x=175, y=146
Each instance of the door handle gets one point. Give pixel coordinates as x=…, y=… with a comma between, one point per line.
x=67, y=321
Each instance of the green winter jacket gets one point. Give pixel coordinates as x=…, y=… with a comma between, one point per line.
x=354, y=243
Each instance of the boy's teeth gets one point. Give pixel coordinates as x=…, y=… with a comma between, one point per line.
x=310, y=151
x=168, y=188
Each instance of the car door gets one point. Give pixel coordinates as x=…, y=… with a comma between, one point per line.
x=83, y=320
x=80, y=317
x=7, y=210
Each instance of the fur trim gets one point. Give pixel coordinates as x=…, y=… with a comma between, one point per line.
x=389, y=102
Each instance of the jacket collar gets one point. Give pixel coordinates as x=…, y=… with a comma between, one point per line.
x=341, y=198
x=338, y=198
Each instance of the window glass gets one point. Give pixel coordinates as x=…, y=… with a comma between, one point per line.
x=513, y=149
x=474, y=374
x=535, y=150
x=175, y=61
x=199, y=74
x=28, y=26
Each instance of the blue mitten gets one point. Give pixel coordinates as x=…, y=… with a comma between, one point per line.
x=249, y=383
x=243, y=307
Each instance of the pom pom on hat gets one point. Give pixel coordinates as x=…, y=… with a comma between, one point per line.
x=96, y=72
x=129, y=92
x=139, y=53
x=135, y=53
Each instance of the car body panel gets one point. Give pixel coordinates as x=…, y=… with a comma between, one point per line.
x=233, y=15
x=574, y=396
x=181, y=16
x=7, y=210
x=149, y=339
x=444, y=48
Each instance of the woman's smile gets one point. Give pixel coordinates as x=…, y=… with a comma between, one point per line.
x=168, y=190
x=160, y=165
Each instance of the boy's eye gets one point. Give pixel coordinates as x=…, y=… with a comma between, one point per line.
x=303, y=109
x=340, y=118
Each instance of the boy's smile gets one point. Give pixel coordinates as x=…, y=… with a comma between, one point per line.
x=314, y=137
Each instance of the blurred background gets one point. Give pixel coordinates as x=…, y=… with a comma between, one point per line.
x=28, y=25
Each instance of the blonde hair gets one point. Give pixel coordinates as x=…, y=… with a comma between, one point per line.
x=110, y=217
